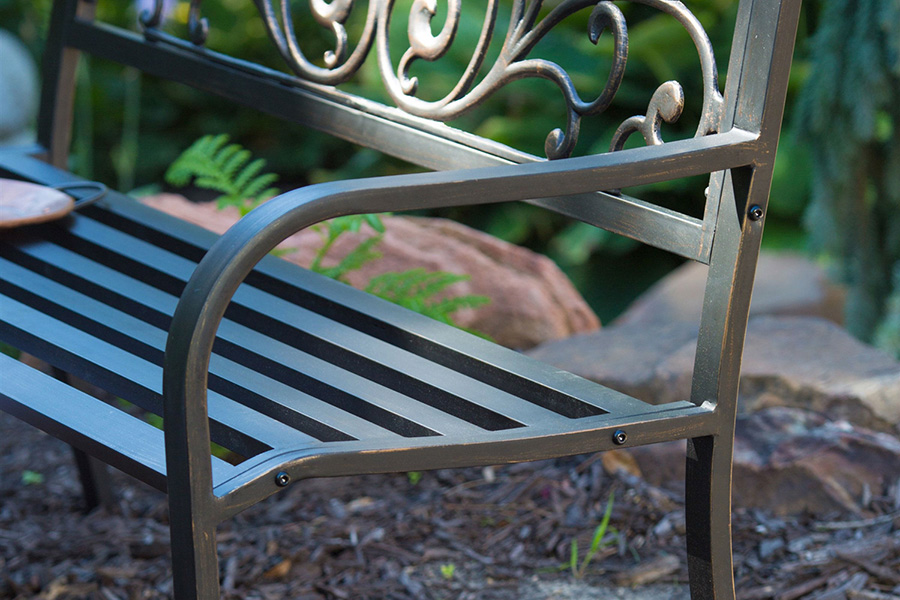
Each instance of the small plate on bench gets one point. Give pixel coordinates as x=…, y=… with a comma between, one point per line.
x=23, y=203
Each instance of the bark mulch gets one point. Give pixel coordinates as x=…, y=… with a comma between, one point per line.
x=496, y=533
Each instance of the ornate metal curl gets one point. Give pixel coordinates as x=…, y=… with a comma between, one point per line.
x=523, y=34
x=513, y=63
x=340, y=64
x=666, y=105
x=198, y=27
x=152, y=17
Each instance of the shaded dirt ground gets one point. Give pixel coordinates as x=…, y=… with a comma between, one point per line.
x=498, y=533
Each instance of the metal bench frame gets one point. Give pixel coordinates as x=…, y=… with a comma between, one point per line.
x=505, y=408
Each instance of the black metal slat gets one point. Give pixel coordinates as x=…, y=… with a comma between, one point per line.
x=125, y=375
x=495, y=366
x=308, y=293
x=147, y=342
x=379, y=362
x=498, y=367
x=89, y=424
x=339, y=388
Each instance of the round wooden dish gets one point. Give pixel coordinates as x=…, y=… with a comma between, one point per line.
x=24, y=203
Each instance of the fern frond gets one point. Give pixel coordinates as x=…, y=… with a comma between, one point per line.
x=215, y=164
x=354, y=260
x=247, y=174
x=232, y=158
x=446, y=306
x=415, y=288
x=255, y=187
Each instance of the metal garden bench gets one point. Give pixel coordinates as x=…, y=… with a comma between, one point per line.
x=305, y=377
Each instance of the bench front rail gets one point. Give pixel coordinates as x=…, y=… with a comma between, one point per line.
x=304, y=377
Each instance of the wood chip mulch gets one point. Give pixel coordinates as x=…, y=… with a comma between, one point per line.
x=474, y=533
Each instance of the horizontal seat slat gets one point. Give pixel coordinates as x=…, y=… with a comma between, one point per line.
x=499, y=367
x=372, y=357
x=248, y=340
x=124, y=441
x=235, y=426
x=148, y=342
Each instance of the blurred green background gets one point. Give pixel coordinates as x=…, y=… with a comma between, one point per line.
x=836, y=192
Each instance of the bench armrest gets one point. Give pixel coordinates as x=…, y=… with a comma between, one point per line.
x=230, y=260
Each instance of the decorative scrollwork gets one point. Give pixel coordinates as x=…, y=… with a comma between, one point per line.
x=198, y=27
x=151, y=17
x=666, y=105
x=513, y=63
x=339, y=66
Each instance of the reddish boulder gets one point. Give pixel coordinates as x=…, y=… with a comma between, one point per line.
x=532, y=301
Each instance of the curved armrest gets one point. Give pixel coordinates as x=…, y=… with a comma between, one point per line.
x=233, y=256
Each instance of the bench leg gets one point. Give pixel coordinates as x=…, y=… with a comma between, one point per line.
x=708, y=518
x=94, y=478
x=195, y=563
x=92, y=473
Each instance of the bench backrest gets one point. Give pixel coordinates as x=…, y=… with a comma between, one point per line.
x=743, y=122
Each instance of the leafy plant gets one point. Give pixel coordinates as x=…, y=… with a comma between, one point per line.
x=32, y=477
x=215, y=164
x=447, y=571
x=358, y=256
x=212, y=163
x=416, y=288
x=597, y=542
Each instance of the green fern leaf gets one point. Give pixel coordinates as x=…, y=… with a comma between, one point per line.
x=359, y=256
x=256, y=186
x=247, y=174
x=215, y=164
x=414, y=289
x=446, y=306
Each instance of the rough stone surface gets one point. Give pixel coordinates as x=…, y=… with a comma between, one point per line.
x=626, y=358
x=788, y=361
x=792, y=461
x=786, y=284
x=532, y=301
x=18, y=89
x=807, y=363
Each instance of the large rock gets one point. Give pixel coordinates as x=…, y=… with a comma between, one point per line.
x=627, y=358
x=793, y=461
x=532, y=301
x=788, y=361
x=18, y=90
x=807, y=363
x=786, y=284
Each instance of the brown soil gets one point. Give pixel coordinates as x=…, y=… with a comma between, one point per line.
x=497, y=534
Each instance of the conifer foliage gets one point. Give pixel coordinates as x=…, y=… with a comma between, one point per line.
x=849, y=115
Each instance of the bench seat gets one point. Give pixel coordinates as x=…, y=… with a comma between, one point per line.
x=303, y=367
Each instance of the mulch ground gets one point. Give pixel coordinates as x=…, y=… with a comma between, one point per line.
x=476, y=533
